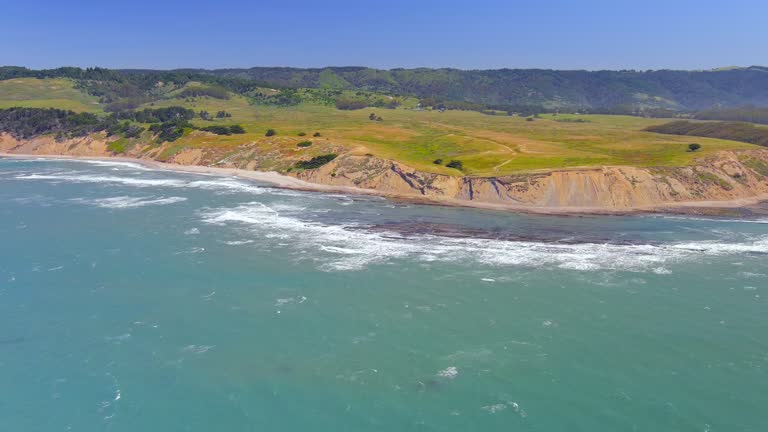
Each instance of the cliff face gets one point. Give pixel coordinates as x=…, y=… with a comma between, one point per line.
x=725, y=176
x=85, y=146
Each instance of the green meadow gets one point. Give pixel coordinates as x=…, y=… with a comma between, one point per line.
x=46, y=93
x=487, y=145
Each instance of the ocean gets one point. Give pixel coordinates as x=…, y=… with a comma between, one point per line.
x=134, y=299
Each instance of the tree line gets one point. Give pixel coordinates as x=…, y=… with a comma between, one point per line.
x=167, y=124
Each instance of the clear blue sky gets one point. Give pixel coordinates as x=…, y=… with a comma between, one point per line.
x=586, y=34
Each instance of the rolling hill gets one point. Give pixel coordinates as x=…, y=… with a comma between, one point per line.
x=679, y=90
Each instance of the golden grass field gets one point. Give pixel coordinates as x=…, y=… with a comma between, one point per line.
x=487, y=145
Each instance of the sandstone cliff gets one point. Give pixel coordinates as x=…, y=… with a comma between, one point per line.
x=725, y=176
x=728, y=175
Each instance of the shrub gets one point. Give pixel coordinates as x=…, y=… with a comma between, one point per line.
x=757, y=166
x=125, y=129
x=572, y=120
x=270, y=132
x=455, y=164
x=304, y=144
x=117, y=146
x=168, y=131
x=218, y=130
x=156, y=115
x=316, y=162
x=285, y=97
x=437, y=161
x=302, y=134
x=236, y=129
x=133, y=131
x=693, y=147
x=351, y=103
x=224, y=130
x=529, y=119
x=125, y=104
x=316, y=134
x=215, y=92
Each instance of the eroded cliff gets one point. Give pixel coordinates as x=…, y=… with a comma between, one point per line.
x=728, y=175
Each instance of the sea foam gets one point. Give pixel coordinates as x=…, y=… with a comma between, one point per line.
x=126, y=202
x=346, y=248
x=352, y=247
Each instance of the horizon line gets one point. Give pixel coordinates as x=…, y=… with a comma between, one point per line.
x=138, y=69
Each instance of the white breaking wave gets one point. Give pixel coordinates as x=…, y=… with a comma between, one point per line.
x=126, y=202
x=759, y=246
x=450, y=372
x=719, y=220
x=348, y=247
x=351, y=248
x=218, y=185
x=227, y=185
x=238, y=242
x=131, y=181
x=105, y=163
x=132, y=165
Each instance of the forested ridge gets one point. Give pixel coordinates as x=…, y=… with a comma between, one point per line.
x=511, y=89
x=681, y=90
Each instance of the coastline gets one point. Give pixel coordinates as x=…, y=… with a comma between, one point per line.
x=704, y=207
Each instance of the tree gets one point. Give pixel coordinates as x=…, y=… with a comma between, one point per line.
x=372, y=116
x=437, y=161
x=693, y=147
x=315, y=162
x=270, y=132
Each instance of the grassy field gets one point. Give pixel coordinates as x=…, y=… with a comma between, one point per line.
x=45, y=93
x=487, y=145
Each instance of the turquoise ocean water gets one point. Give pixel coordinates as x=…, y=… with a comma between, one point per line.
x=142, y=300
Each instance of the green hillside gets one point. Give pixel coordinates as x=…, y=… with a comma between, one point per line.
x=307, y=123
x=48, y=93
x=598, y=90
x=519, y=90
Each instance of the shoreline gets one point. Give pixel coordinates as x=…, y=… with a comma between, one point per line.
x=281, y=181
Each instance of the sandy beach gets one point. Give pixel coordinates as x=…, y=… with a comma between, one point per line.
x=287, y=182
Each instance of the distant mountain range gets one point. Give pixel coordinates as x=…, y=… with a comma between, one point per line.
x=673, y=89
